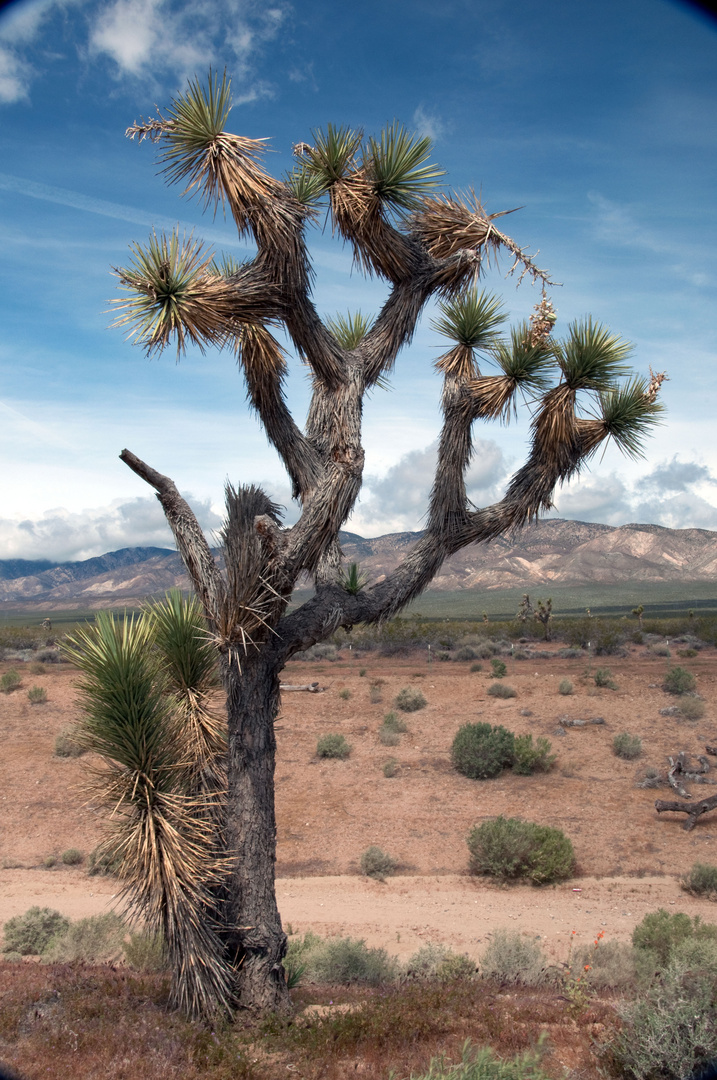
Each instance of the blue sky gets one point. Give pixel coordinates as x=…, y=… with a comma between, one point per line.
x=597, y=119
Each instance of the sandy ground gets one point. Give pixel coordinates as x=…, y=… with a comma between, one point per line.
x=328, y=812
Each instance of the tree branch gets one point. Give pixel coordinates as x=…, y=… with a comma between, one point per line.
x=191, y=542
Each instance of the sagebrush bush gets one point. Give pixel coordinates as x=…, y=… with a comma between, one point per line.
x=659, y=650
x=476, y=667
x=466, y=652
x=628, y=747
x=36, y=668
x=692, y=708
x=661, y=932
x=333, y=746
x=37, y=695
x=502, y=690
x=10, y=681
x=392, y=722
x=513, y=958
x=434, y=961
x=609, y=966
x=72, y=857
x=391, y=768
x=603, y=677
x=67, y=744
x=96, y=939
x=410, y=699
x=388, y=737
x=481, y=751
x=345, y=694
x=701, y=880
x=374, y=695
x=31, y=933
x=679, y=681
x=565, y=687
x=341, y=960
x=376, y=863
x=529, y=758
x=509, y=848
x=146, y=952
x=323, y=650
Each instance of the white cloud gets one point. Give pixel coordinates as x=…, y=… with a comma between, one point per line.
x=14, y=77
x=430, y=124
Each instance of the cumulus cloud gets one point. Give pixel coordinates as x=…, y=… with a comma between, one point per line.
x=677, y=494
x=398, y=500
x=64, y=536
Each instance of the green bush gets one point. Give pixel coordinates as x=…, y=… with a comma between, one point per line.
x=476, y=667
x=509, y=848
x=37, y=695
x=31, y=933
x=391, y=768
x=436, y=962
x=513, y=958
x=480, y=751
x=603, y=677
x=692, y=708
x=501, y=690
x=40, y=669
x=146, y=952
x=344, y=694
x=376, y=863
x=96, y=939
x=67, y=744
x=465, y=653
x=499, y=670
x=531, y=758
x=388, y=737
x=410, y=699
x=701, y=880
x=49, y=861
x=679, y=681
x=484, y=1064
x=565, y=687
x=627, y=746
x=341, y=960
x=610, y=964
x=333, y=746
x=10, y=681
x=72, y=857
x=661, y=932
x=394, y=723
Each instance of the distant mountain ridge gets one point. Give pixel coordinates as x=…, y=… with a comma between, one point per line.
x=553, y=551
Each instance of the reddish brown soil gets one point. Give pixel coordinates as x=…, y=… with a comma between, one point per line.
x=329, y=811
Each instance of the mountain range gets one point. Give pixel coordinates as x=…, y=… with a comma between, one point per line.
x=549, y=552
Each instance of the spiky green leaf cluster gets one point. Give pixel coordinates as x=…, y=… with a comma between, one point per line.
x=591, y=358
x=186, y=653
x=398, y=166
x=629, y=415
x=353, y=579
x=333, y=154
x=527, y=365
x=349, y=329
x=471, y=319
x=196, y=118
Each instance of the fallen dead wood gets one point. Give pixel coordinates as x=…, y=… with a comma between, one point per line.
x=309, y=688
x=693, y=810
x=565, y=721
x=681, y=769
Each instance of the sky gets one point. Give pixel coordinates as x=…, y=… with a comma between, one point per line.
x=598, y=120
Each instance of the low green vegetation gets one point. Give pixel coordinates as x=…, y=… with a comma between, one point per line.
x=410, y=699
x=565, y=687
x=481, y=751
x=627, y=746
x=603, y=678
x=509, y=848
x=513, y=958
x=31, y=933
x=333, y=746
x=72, y=857
x=10, y=681
x=501, y=690
x=679, y=681
x=376, y=863
x=498, y=668
x=529, y=757
x=701, y=880
x=37, y=695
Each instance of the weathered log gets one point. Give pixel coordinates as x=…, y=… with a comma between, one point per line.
x=310, y=688
x=711, y=750
x=693, y=811
x=565, y=721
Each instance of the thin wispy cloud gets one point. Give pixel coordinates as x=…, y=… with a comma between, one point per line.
x=429, y=123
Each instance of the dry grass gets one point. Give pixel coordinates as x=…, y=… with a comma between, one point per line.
x=114, y=1024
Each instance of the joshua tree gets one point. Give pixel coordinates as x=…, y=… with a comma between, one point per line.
x=382, y=197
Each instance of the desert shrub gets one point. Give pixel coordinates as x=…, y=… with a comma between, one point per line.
x=67, y=744
x=333, y=746
x=374, y=695
x=501, y=690
x=659, y=650
x=627, y=746
x=410, y=699
x=102, y=862
x=392, y=722
x=10, y=681
x=513, y=958
x=388, y=737
x=49, y=861
x=323, y=650
x=480, y=751
x=96, y=939
x=37, y=695
x=36, y=668
x=565, y=687
x=146, y=952
x=509, y=848
x=531, y=758
x=607, y=639
x=476, y=667
x=31, y=933
x=362, y=671
x=603, y=677
x=485, y=649
x=692, y=708
x=72, y=857
x=376, y=863
x=499, y=670
x=466, y=652
x=701, y=880
x=679, y=681
x=662, y=932
x=483, y=1064
x=687, y=653
x=11, y=957
x=649, y=777
x=391, y=768
x=345, y=694
x=669, y=1032
x=569, y=654
x=610, y=964
x=346, y=961
x=434, y=961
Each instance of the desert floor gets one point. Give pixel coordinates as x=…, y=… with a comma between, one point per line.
x=328, y=812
